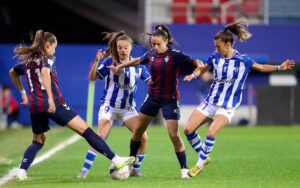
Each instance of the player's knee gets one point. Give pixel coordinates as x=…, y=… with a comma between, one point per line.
x=41, y=138
x=174, y=137
x=144, y=138
x=187, y=130
x=211, y=133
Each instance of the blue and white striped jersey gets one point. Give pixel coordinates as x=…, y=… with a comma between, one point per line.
x=119, y=90
x=229, y=79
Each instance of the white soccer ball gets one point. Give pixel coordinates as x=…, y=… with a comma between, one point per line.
x=120, y=174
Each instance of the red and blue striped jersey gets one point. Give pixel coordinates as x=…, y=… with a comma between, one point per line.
x=164, y=70
x=38, y=99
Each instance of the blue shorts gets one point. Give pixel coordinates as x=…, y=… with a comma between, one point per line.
x=170, y=109
x=62, y=115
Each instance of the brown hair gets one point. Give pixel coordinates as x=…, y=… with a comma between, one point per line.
x=160, y=30
x=37, y=48
x=238, y=29
x=113, y=38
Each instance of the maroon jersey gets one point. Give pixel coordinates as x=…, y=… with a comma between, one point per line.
x=38, y=99
x=164, y=70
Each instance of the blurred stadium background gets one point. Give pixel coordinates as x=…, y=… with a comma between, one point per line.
x=269, y=99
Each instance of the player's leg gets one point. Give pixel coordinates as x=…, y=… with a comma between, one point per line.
x=104, y=125
x=199, y=117
x=171, y=113
x=138, y=132
x=173, y=130
x=148, y=111
x=223, y=117
x=130, y=120
x=64, y=115
x=39, y=126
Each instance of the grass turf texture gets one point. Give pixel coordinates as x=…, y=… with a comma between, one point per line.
x=242, y=157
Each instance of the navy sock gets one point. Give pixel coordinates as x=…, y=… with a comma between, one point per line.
x=181, y=156
x=98, y=143
x=134, y=147
x=30, y=154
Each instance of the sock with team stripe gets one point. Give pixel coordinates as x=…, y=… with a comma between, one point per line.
x=138, y=161
x=89, y=160
x=206, y=148
x=195, y=141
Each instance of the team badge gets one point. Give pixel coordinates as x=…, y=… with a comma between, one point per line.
x=166, y=59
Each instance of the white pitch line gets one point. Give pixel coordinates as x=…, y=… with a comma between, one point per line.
x=13, y=172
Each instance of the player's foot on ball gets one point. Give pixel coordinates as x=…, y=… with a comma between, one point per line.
x=123, y=161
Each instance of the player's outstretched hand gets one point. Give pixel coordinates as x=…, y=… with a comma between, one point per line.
x=287, y=64
x=188, y=77
x=25, y=99
x=52, y=107
x=99, y=55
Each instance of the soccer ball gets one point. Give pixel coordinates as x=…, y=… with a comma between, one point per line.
x=120, y=174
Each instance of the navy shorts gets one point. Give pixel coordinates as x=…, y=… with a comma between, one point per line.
x=170, y=109
x=62, y=115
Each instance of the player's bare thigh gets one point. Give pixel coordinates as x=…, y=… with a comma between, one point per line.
x=195, y=120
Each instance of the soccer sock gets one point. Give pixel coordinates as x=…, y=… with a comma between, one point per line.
x=206, y=148
x=181, y=156
x=98, y=143
x=134, y=147
x=89, y=159
x=195, y=141
x=139, y=160
x=30, y=154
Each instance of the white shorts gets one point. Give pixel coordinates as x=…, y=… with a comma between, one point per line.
x=211, y=110
x=110, y=113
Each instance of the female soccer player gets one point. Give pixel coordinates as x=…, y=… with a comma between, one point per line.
x=230, y=72
x=46, y=102
x=163, y=93
x=118, y=98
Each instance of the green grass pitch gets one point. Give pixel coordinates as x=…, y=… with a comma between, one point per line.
x=243, y=157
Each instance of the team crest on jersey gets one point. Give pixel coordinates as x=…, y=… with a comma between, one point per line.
x=166, y=59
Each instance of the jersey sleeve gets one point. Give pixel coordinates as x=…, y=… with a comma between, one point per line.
x=19, y=69
x=145, y=76
x=48, y=62
x=145, y=58
x=209, y=61
x=102, y=70
x=248, y=61
x=183, y=59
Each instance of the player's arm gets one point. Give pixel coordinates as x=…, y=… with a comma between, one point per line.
x=131, y=63
x=93, y=71
x=46, y=80
x=286, y=65
x=17, y=81
x=197, y=72
x=198, y=63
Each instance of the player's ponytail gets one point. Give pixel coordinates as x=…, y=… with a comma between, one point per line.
x=37, y=49
x=112, y=50
x=163, y=31
x=237, y=29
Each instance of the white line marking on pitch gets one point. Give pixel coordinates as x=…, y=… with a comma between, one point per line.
x=13, y=172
